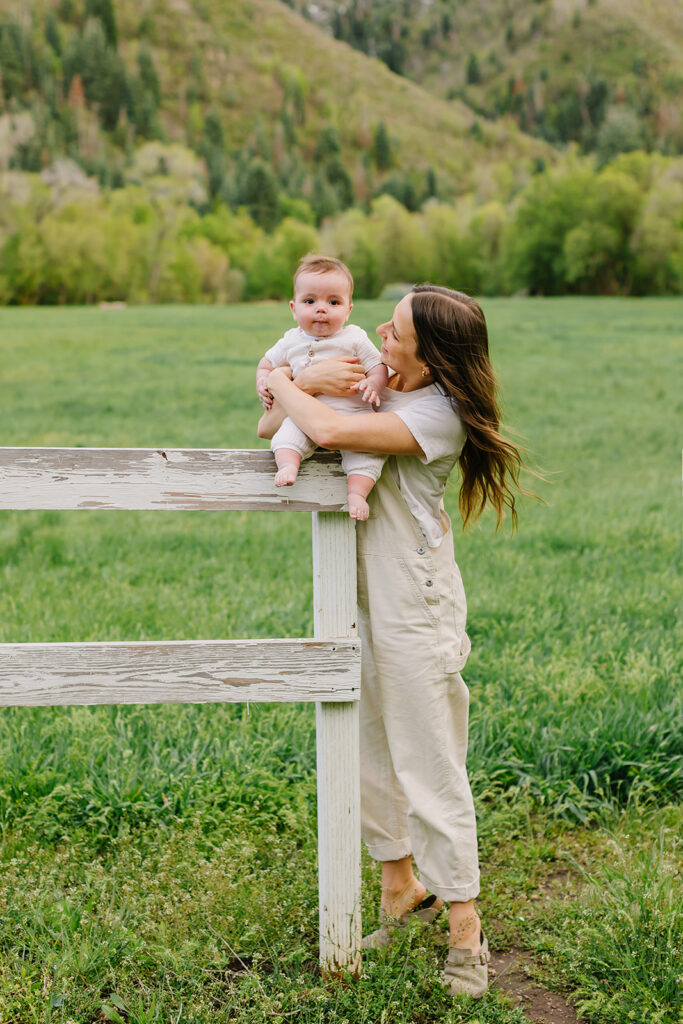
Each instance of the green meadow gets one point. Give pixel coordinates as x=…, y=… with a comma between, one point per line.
x=157, y=864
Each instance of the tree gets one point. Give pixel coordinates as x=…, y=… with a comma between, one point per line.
x=276, y=257
x=72, y=60
x=450, y=257
x=289, y=132
x=148, y=74
x=596, y=101
x=393, y=53
x=351, y=238
x=294, y=88
x=103, y=73
x=552, y=204
x=589, y=257
x=339, y=178
x=104, y=11
x=381, y=147
x=327, y=146
x=617, y=202
x=473, y=72
x=213, y=130
x=11, y=60
x=261, y=194
x=66, y=10
x=52, y=33
x=146, y=121
x=620, y=132
x=400, y=242
x=324, y=199
x=401, y=188
x=299, y=90
x=484, y=237
x=212, y=148
x=658, y=242
x=569, y=117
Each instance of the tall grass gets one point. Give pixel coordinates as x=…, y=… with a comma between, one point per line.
x=574, y=622
x=159, y=862
x=620, y=946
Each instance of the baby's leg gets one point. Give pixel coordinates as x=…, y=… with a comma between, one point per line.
x=362, y=470
x=358, y=488
x=288, y=462
x=289, y=446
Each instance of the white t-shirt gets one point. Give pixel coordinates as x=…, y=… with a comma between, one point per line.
x=435, y=425
x=298, y=349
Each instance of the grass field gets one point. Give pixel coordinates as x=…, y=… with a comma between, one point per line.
x=158, y=864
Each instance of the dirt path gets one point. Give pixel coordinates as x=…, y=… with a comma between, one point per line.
x=540, y=1005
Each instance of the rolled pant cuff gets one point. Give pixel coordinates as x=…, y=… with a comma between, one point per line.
x=290, y=447
x=395, y=850
x=452, y=893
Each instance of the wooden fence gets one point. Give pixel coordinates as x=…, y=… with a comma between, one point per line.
x=325, y=669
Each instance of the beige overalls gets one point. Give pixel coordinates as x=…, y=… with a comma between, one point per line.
x=415, y=795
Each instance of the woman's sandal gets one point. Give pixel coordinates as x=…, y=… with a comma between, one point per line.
x=466, y=973
x=426, y=911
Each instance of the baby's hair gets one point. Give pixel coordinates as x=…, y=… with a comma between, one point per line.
x=312, y=263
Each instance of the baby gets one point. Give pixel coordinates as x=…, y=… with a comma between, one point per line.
x=323, y=287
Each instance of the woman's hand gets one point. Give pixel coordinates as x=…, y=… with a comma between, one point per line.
x=336, y=377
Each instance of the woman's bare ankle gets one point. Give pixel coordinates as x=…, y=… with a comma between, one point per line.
x=401, y=901
x=464, y=928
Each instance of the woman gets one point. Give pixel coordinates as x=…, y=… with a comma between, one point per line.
x=415, y=797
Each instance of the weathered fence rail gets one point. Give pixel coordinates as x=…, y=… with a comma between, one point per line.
x=325, y=669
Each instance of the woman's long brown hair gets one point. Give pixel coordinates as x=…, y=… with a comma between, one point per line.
x=453, y=341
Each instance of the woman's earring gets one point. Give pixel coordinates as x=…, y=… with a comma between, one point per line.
x=425, y=371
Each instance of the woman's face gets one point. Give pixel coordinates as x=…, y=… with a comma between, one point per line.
x=399, y=341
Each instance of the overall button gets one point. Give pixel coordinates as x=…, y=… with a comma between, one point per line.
x=420, y=551
x=310, y=352
x=429, y=583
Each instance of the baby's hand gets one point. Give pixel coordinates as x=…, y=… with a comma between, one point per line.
x=262, y=390
x=367, y=390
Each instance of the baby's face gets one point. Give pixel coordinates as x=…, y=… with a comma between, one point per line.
x=321, y=303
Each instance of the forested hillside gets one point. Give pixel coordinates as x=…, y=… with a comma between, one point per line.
x=604, y=73
x=263, y=96
x=193, y=150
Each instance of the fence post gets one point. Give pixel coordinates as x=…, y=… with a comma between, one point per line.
x=337, y=743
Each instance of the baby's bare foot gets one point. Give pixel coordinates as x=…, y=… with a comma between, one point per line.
x=358, y=506
x=286, y=476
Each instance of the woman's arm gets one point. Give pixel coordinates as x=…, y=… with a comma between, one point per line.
x=381, y=432
x=336, y=377
x=270, y=421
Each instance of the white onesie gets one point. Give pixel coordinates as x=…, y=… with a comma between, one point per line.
x=298, y=350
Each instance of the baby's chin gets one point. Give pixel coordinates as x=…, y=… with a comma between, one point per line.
x=323, y=330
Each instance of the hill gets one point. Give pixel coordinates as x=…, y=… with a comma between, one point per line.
x=238, y=83
x=600, y=72
x=211, y=144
